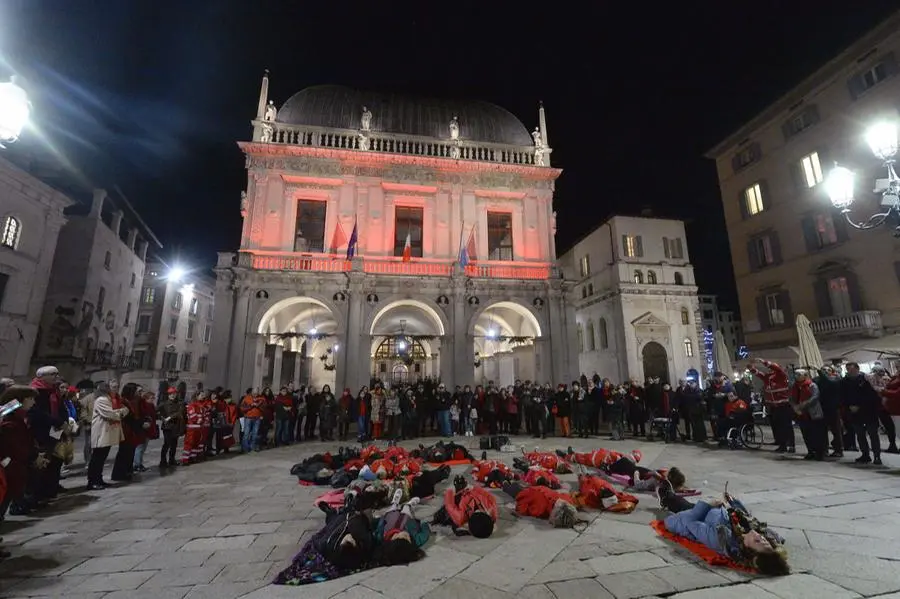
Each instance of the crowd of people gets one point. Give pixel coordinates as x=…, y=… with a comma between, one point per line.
x=40, y=422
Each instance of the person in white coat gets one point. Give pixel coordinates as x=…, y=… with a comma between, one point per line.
x=106, y=431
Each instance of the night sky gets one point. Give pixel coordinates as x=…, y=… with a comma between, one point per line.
x=152, y=95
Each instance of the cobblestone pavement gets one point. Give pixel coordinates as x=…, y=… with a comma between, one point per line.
x=222, y=529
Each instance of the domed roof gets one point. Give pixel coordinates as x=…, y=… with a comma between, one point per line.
x=339, y=107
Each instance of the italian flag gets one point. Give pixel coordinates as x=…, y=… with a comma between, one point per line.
x=407, y=249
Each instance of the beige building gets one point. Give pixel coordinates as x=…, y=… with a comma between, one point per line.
x=31, y=216
x=636, y=305
x=792, y=252
x=173, y=328
x=87, y=328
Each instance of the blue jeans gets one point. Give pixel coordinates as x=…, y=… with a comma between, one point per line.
x=361, y=427
x=139, y=453
x=444, y=422
x=283, y=432
x=250, y=439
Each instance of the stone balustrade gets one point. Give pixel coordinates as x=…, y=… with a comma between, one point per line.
x=388, y=143
x=866, y=323
x=384, y=265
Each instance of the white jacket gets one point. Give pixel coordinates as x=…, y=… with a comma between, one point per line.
x=106, y=423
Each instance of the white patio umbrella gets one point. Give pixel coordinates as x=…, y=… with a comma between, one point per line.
x=809, y=348
x=723, y=357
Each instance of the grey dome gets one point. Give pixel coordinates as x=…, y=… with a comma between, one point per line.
x=339, y=107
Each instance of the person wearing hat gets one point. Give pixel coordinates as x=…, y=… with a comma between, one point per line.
x=46, y=417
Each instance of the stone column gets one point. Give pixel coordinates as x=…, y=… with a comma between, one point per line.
x=276, y=367
x=298, y=368
x=350, y=371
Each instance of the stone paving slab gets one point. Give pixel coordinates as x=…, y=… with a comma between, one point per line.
x=224, y=528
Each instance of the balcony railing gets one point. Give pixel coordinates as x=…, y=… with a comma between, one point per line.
x=388, y=143
x=108, y=359
x=385, y=265
x=866, y=323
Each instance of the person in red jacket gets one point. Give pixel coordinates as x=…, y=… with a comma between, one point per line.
x=777, y=395
x=599, y=494
x=193, y=436
x=468, y=510
x=492, y=473
x=543, y=502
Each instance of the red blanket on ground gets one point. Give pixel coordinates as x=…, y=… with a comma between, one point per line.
x=699, y=549
x=450, y=463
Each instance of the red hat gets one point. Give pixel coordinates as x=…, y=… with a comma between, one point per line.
x=171, y=390
x=72, y=389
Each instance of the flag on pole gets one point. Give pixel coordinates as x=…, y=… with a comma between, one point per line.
x=471, y=255
x=354, y=238
x=339, y=238
x=407, y=249
x=463, y=251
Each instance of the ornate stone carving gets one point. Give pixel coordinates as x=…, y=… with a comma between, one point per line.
x=266, y=135
x=271, y=112
x=363, y=142
x=509, y=180
x=244, y=204
x=454, y=128
x=454, y=152
x=365, y=121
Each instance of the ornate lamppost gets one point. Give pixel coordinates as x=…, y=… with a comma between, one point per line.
x=14, y=111
x=882, y=140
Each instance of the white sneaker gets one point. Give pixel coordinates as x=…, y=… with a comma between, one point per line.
x=398, y=496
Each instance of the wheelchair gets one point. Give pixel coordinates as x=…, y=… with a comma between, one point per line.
x=744, y=432
x=665, y=428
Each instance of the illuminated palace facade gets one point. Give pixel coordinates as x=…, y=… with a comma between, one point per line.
x=447, y=210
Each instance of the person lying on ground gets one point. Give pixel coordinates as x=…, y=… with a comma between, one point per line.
x=346, y=541
x=600, y=494
x=467, y=510
x=399, y=535
x=599, y=458
x=546, y=460
x=542, y=502
x=442, y=452
x=491, y=473
x=727, y=527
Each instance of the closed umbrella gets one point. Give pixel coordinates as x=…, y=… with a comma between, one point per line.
x=809, y=348
x=723, y=357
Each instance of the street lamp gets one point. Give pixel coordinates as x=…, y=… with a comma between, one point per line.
x=882, y=139
x=14, y=111
x=176, y=273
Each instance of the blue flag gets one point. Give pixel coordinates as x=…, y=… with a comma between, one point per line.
x=351, y=246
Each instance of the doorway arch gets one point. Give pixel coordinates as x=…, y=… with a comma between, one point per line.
x=656, y=361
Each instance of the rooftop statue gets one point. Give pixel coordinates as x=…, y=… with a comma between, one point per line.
x=365, y=121
x=271, y=112
x=454, y=128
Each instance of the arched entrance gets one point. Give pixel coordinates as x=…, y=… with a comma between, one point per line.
x=504, y=337
x=299, y=344
x=406, y=340
x=656, y=361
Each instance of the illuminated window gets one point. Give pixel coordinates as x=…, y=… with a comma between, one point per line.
x=775, y=309
x=12, y=229
x=195, y=306
x=500, y=240
x=839, y=295
x=688, y=348
x=825, y=231
x=408, y=221
x=149, y=295
x=753, y=200
x=585, y=265
x=812, y=170
x=638, y=277
x=632, y=246
x=310, y=227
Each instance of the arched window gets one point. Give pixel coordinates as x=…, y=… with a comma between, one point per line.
x=604, y=335
x=651, y=277
x=688, y=348
x=591, y=343
x=12, y=230
x=580, y=331
x=679, y=280
x=638, y=277
x=685, y=316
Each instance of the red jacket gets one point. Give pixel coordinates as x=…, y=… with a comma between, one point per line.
x=891, y=396
x=775, y=382
x=538, y=502
x=591, y=490
x=534, y=475
x=467, y=502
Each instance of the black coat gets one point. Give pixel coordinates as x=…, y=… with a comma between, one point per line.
x=857, y=391
x=829, y=394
